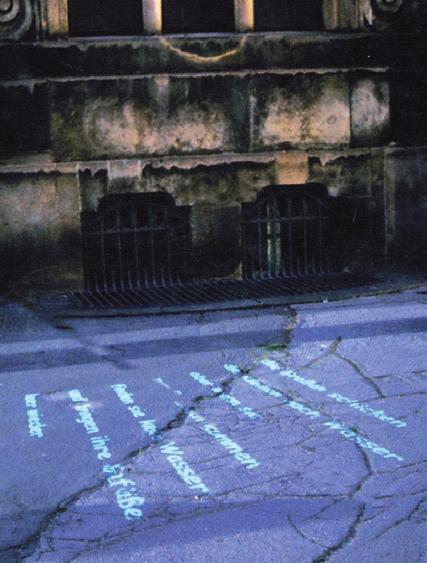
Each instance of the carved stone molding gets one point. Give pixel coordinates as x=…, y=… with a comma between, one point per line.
x=398, y=14
x=16, y=17
x=373, y=14
x=389, y=6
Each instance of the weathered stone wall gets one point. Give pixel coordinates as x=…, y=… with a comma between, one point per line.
x=210, y=120
x=381, y=194
x=39, y=229
x=215, y=113
x=406, y=201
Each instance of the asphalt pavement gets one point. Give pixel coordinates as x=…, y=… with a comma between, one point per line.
x=283, y=434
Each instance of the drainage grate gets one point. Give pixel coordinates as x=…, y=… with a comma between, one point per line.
x=216, y=291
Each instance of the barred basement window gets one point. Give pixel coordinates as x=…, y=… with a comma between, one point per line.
x=288, y=15
x=105, y=17
x=287, y=232
x=134, y=241
x=186, y=16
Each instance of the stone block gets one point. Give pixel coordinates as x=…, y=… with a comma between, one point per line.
x=149, y=116
x=39, y=227
x=292, y=167
x=342, y=172
x=370, y=110
x=214, y=183
x=24, y=119
x=355, y=181
x=406, y=201
x=408, y=103
x=299, y=111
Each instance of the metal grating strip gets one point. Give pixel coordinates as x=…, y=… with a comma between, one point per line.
x=215, y=291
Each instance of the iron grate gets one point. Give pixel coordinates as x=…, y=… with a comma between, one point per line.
x=216, y=291
x=287, y=232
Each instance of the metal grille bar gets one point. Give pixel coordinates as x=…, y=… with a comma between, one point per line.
x=285, y=233
x=135, y=241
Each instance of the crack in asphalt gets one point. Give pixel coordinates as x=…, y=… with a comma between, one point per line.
x=422, y=463
x=165, y=515
x=395, y=396
x=293, y=321
x=358, y=486
x=29, y=547
x=346, y=539
x=168, y=516
x=333, y=351
x=329, y=352
x=304, y=536
x=402, y=495
x=358, y=521
x=362, y=374
x=369, y=473
x=403, y=519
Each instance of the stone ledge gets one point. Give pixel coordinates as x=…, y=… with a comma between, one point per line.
x=30, y=164
x=210, y=52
